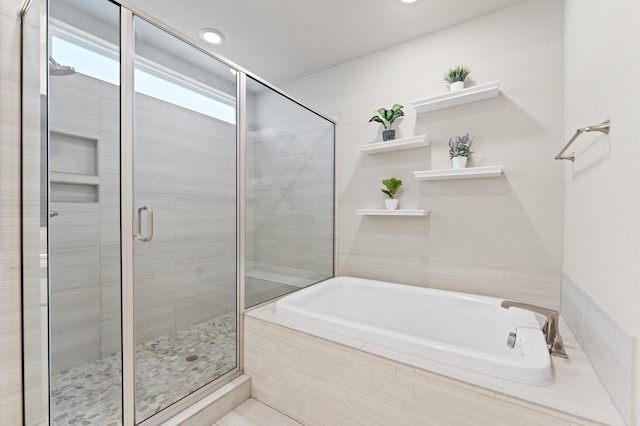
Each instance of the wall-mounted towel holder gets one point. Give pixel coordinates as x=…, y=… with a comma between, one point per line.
x=603, y=127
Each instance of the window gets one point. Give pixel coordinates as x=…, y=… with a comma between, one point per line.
x=100, y=61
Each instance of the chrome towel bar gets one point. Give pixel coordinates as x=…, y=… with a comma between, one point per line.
x=602, y=127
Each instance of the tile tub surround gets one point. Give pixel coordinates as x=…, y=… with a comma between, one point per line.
x=393, y=316
x=315, y=377
x=529, y=284
x=607, y=345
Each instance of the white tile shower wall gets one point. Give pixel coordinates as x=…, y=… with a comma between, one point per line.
x=500, y=236
x=187, y=173
x=86, y=108
x=289, y=207
x=34, y=270
x=187, y=273
x=318, y=382
x=609, y=347
x=10, y=284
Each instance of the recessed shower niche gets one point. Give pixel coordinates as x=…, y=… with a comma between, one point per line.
x=73, y=168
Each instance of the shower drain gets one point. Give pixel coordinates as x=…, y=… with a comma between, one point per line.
x=191, y=358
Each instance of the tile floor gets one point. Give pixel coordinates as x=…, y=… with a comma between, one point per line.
x=254, y=413
x=167, y=369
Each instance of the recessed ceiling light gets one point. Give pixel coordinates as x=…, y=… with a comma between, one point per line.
x=212, y=36
x=408, y=1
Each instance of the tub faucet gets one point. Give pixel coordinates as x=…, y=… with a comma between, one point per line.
x=550, y=328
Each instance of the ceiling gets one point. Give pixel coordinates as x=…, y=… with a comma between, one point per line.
x=283, y=40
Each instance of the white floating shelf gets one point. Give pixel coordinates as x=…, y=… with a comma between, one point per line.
x=395, y=145
x=467, y=173
x=464, y=96
x=397, y=212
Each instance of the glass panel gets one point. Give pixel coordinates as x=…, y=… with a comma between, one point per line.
x=84, y=214
x=185, y=172
x=34, y=216
x=289, y=195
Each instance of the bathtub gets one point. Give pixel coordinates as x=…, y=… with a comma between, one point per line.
x=458, y=329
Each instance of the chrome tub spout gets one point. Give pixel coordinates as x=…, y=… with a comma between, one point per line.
x=550, y=329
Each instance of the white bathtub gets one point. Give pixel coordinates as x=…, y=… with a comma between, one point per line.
x=458, y=329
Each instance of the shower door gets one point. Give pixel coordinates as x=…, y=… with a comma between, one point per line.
x=184, y=201
x=129, y=217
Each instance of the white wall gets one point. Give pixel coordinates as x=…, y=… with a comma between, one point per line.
x=603, y=203
x=499, y=236
x=602, y=244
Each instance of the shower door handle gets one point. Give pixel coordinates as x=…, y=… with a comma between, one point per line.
x=138, y=234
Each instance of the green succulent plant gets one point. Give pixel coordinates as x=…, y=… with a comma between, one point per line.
x=387, y=116
x=393, y=185
x=457, y=73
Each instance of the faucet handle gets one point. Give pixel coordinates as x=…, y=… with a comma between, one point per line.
x=545, y=326
x=557, y=348
x=550, y=329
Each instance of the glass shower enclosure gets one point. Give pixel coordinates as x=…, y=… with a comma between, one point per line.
x=289, y=193
x=159, y=187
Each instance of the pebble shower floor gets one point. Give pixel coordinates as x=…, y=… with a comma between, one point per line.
x=167, y=368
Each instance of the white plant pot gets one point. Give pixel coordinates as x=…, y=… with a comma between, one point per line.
x=456, y=86
x=459, y=162
x=391, y=203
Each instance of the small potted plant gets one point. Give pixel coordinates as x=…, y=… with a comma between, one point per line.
x=459, y=150
x=392, y=186
x=456, y=76
x=386, y=117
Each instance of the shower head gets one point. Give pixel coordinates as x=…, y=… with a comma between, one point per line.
x=57, y=69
